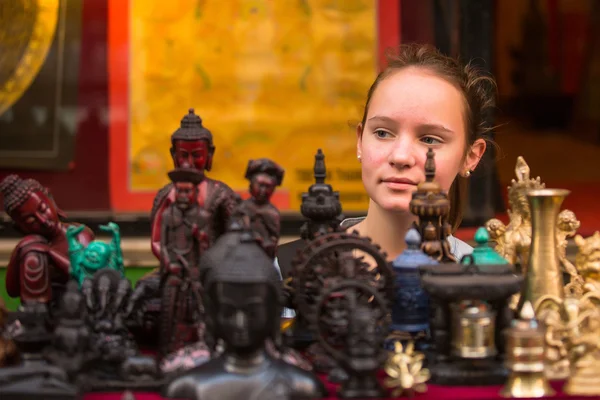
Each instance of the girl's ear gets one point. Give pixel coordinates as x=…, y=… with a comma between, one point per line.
x=474, y=155
x=359, y=132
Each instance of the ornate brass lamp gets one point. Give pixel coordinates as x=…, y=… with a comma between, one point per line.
x=526, y=358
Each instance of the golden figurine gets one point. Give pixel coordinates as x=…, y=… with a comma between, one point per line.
x=513, y=240
x=405, y=371
x=572, y=332
x=8, y=350
x=525, y=350
x=567, y=226
x=587, y=261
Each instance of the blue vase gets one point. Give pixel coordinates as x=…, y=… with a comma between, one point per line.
x=410, y=312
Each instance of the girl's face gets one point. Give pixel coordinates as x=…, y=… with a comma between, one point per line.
x=411, y=111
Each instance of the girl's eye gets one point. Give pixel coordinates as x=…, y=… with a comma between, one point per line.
x=431, y=140
x=381, y=134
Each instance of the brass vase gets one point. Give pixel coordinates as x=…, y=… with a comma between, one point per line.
x=543, y=276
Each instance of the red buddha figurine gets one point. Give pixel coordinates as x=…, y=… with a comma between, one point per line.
x=192, y=147
x=41, y=259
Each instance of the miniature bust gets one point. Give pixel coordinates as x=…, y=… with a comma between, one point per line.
x=183, y=240
x=87, y=260
x=192, y=148
x=264, y=175
x=243, y=302
x=39, y=265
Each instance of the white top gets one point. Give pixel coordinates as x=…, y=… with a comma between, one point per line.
x=458, y=248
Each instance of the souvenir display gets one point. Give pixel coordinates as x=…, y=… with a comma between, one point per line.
x=207, y=324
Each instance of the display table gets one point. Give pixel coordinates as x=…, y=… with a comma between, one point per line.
x=433, y=393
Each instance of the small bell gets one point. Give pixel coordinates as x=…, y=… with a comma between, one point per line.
x=474, y=330
x=525, y=352
x=410, y=312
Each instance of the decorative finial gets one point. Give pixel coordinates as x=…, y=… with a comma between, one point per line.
x=430, y=166
x=191, y=111
x=527, y=312
x=482, y=237
x=319, y=169
x=413, y=239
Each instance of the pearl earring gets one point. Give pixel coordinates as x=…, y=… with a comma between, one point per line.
x=358, y=157
x=467, y=174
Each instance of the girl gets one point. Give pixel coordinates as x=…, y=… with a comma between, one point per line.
x=423, y=99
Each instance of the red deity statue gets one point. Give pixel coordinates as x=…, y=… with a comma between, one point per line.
x=40, y=261
x=262, y=216
x=192, y=147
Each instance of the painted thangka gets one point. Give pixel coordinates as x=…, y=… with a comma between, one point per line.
x=269, y=78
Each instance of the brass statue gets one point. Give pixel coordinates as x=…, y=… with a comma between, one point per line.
x=513, y=240
x=587, y=261
x=405, y=373
x=566, y=227
x=572, y=335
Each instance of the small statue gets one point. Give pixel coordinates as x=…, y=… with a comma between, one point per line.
x=406, y=375
x=192, y=147
x=587, y=261
x=183, y=240
x=264, y=175
x=118, y=364
x=71, y=343
x=566, y=227
x=352, y=323
x=8, y=350
x=572, y=331
x=243, y=305
x=39, y=266
x=87, y=260
x=514, y=240
x=432, y=206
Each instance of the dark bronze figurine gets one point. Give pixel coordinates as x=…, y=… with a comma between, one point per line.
x=264, y=175
x=183, y=239
x=243, y=303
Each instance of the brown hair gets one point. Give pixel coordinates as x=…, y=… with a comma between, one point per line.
x=477, y=89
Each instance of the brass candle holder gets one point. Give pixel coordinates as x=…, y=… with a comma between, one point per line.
x=525, y=351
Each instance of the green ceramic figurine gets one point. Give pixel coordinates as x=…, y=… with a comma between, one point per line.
x=483, y=254
x=86, y=261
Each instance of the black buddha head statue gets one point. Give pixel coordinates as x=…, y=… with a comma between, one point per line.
x=243, y=297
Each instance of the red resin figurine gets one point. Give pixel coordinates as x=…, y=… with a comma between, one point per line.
x=41, y=259
x=182, y=242
x=263, y=217
x=192, y=147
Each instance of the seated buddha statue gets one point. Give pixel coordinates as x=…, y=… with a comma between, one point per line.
x=39, y=264
x=243, y=309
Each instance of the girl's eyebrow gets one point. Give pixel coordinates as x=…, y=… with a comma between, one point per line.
x=383, y=119
x=435, y=127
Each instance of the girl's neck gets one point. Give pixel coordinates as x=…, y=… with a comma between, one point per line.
x=387, y=229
